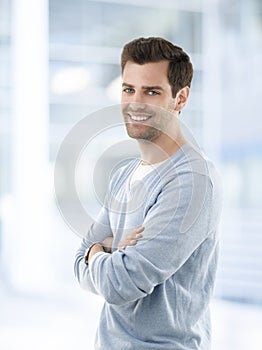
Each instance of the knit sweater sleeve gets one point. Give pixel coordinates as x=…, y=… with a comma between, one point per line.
x=99, y=230
x=183, y=215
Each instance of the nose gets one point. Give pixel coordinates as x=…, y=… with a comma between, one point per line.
x=136, y=106
x=138, y=97
x=137, y=101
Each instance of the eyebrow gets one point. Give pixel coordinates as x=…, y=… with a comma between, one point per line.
x=155, y=87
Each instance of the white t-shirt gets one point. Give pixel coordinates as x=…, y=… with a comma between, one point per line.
x=142, y=170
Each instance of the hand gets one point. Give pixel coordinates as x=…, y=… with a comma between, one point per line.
x=131, y=238
x=107, y=244
x=93, y=250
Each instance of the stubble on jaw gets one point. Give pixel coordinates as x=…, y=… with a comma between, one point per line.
x=143, y=132
x=152, y=128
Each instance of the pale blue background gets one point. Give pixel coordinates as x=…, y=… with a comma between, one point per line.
x=59, y=61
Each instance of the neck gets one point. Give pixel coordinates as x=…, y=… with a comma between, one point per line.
x=160, y=149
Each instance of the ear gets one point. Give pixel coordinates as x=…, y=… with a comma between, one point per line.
x=181, y=98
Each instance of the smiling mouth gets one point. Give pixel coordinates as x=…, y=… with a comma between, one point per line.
x=139, y=118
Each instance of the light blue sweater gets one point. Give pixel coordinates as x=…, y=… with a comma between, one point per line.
x=157, y=293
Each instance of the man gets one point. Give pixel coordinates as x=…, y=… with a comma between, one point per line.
x=152, y=253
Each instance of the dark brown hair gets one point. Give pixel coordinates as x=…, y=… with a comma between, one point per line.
x=153, y=49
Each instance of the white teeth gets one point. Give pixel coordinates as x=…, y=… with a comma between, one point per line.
x=139, y=118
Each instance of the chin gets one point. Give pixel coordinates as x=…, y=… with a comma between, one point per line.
x=149, y=135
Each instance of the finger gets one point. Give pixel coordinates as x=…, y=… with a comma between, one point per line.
x=136, y=233
x=121, y=244
x=126, y=243
x=132, y=242
x=130, y=236
x=138, y=229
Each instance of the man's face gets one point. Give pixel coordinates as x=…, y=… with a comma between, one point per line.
x=147, y=101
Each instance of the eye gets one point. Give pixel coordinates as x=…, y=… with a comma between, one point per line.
x=153, y=92
x=128, y=90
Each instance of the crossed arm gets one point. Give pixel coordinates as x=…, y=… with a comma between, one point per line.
x=175, y=226
x=129, y=240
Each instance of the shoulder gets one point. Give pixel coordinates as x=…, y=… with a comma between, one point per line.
x=190, y=161
x=192, y=174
